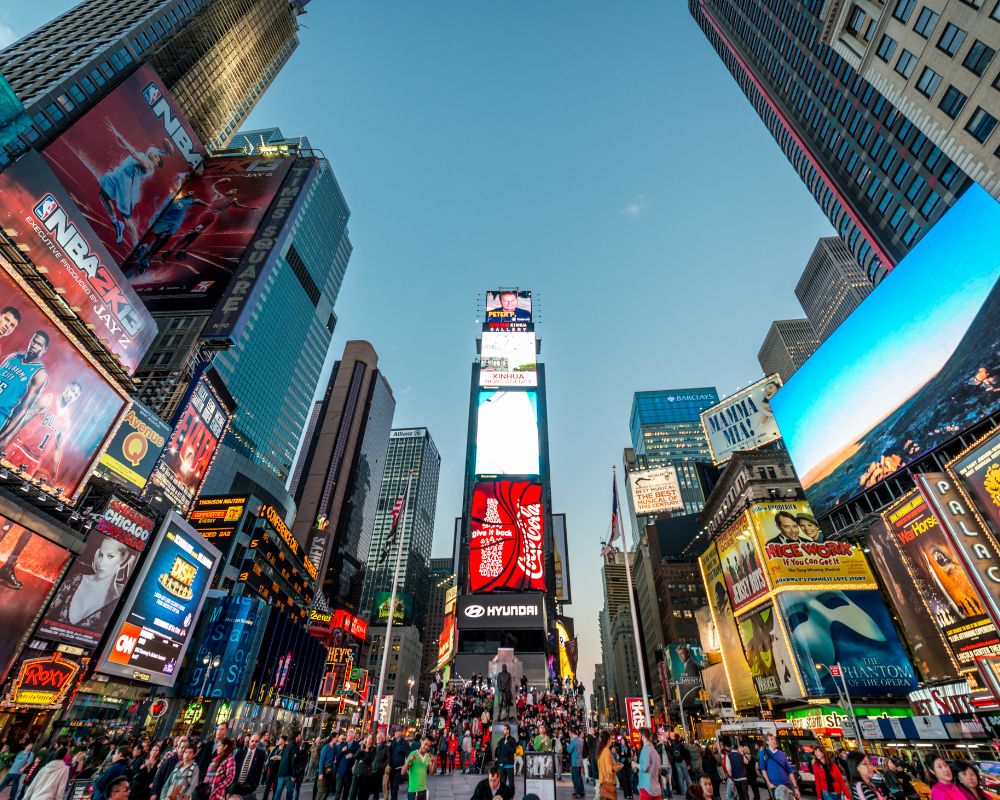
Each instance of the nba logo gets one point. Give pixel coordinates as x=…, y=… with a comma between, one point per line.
x=45, y=207
x=151, y=93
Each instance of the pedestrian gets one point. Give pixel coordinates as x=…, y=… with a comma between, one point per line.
x=379, y=769
x=543, y=742
x=182, y=780
x=829, y=780
x=273, y=762
x=863, y=788
x=416, y=767
x=443, y=753
x=346, y=752
x=18, y=768
x=166, y=766
x=650, y=768
x=968, y=779
x=466, y=751
x=301, y=764
x=680, y=757
x=752, y=776
x=117, y=768
x=943, y=786
x=51, y=780
x=285, y=776
x=221, y=770
x=777, y=771
x=250, y=761
x=607, y=768
x=505, y=753
x=143, y=774
x=491, y=787
x=575, y=748
x=625, y=772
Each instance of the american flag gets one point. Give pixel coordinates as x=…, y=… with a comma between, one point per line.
x=390, y=538
x=616, y=522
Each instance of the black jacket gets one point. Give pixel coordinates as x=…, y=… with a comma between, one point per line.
x=505, y=750
x=381, y=759
x=166, y=767
x=258, y=758
x=484, y=792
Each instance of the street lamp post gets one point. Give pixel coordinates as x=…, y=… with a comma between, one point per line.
x=410, y=706
x=680, y=702
x=845, y=699
x=209, y=664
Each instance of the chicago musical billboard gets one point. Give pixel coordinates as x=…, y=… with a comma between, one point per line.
x=133, y=450
x=506, y=539
x=743, y=421
x=507, y=433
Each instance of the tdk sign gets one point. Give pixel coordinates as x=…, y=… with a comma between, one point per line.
x=154, y=98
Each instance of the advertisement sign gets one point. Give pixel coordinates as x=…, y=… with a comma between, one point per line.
x=404, y=608
x=125, y=158
x=217, y=517
x=232, y=630
x=507, y=433
x=42, y=682
x=560, y=555
x=741, y=565
x=795, y=553
x=738, y=675
x=508, y=310
x=499, y=611
x=978, y=471
x=685, y=663
x=870, y=401
x=86, y=599
x=944, y=586
x=766, y=648
x=56, y=409
x=30, y=568
x=506, y=537
x=850, y=628
x=188, y=256
x=655, y=490
x=152, y=632
x=53, y=232
x=742, y=421
x=507, y=359
x=133, y=450
x=201, y=423
x=635, y=715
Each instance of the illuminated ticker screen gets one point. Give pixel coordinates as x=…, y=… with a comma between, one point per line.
x=507, y=433
x=507, y=359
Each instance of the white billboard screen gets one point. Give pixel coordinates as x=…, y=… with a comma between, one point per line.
x=507, y=359
x=507, y=433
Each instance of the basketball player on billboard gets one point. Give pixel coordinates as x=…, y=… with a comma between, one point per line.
x=22, y=378
x=166, y=225
x=40, y=442
x=222, y=203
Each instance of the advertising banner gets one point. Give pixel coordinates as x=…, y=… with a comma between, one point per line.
x=508, y=310
x=151, y=634
x=404, y=608
x=635, y=715
x=217, y=518
x=132, y=452
x=125, y=158
x=655, y=490
x=507, y=433
x=766, y=647
x=870, y=401
x=506, y=537
x=795, y=553
x=29, y=567
x=507, y=359
x=233, y=627
x=741, y=565
x=42, y=682
x=45, y=222
x=560, y=555
x=978, y=471
x=189, y=255
x=738, y=675
x=56, y=409
x=945, y=589
x=742, y=421
x=685, y=663
x=850, y=628
x=500, y=611
x=82, y=608
x=201, y=423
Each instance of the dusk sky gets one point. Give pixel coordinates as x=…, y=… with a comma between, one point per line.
x=596, y=153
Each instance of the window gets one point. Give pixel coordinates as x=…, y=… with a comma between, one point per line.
x=911, y=233
x=886, y=47
x=949, y=174
x=901, y=173
x=978, y=58
x=928, y=82
x=951, y=39
x=932, y=202
x=981, y=125
x=903, y=9
x=897, y=218
x=905, y=63
x=857, y=19
x=884, y=203
x=926, y=22
x=952, y=102
x=915, y=189
x=995, y=14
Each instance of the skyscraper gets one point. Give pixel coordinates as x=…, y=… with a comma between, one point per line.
x=878, y=179
x=440, y=579
x=831, y=287
x=411, y=452
x=216, y=56
x=666, y=430
x=789, y=342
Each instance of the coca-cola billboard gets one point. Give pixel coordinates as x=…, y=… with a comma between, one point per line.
x=506, y=540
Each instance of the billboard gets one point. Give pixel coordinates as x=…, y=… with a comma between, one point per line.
x=766, y=649
x=509, y=611
x=153, y=628
x=404, y=608
x=133, y=450
x=978, y=471
x=190, y=253
x=201, y=423
x=448, y=638
x=56, y=409
x=508, y=310
x=742, y=421
x=870, y=401
x=507, y=433
x=86, y=599
x=506, y=536
x=232, y=629
x=655, y=490
x=745, y=578
x=560, y=555
x=850, y=628
x=125, y=158
x=685, y=663
x=217, y=518
x=507, y=359
x=48, y=226
x=31, y=565
x=795, y=553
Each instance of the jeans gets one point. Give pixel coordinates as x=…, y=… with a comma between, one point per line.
x=683, y=778
x=467, y=761
x=507, y=776
x=343, y=786
x=13, y=779
x=832, y=796
x=395, y=778
x=741, y=789
x=577, y=775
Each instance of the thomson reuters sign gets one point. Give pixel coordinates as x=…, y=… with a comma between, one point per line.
x=504, y=611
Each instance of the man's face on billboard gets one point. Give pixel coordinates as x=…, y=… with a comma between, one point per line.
x=789, y=527
x=7, y=323
x=508, y=301
x=37, y=345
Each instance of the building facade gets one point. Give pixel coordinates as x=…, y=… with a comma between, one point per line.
x=440, y=578
x=402, y=667
x=831, y=287
x=789, y=342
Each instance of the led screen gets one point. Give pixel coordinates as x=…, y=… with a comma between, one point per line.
x=507, y=433
x=506, y=543
x=915, y=364
x=508, y=310
x=507, y=359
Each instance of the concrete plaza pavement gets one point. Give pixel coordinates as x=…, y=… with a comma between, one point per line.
x=456, y=786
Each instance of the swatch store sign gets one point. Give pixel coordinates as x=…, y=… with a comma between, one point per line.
x=492, y=612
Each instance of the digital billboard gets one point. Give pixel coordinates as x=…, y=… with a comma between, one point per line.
x=850, y=628
x=404, y=608
x=741, y=564
x=506, y=537
x=56, y=408
x=508, y=310
x=125, y=158
x=685, y=663
x=873, y=399
x=201, y=423
x=152, y=631
x=133, y=450
x=217, y=517
x=30, y=565
x=560, y=555
x=449, y=629
x=766, y=649
x=51, y=230
x=978, y=471
x=86, y=599
x=507, y=359
x=655, y=490
x=743, y=421
x=192, y=250
x=232, y=628
x=507, y=433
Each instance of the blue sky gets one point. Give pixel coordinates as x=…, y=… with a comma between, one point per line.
x=597, y=153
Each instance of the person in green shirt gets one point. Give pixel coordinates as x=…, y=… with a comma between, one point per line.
x=415, y=769
x=543, y=742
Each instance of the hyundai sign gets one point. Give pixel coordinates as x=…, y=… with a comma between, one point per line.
x=501, y=611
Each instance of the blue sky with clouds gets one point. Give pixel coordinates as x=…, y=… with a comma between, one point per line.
x=597, y=153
